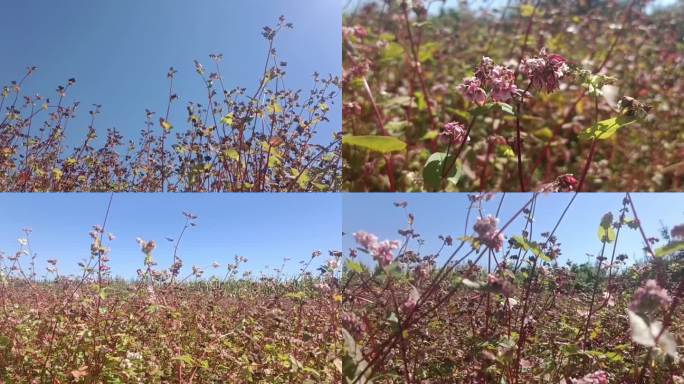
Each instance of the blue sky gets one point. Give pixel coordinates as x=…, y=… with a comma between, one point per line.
x=120, y=51
x=445, y=213
x=265, y=228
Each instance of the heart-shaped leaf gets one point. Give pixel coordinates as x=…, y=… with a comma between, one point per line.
x=382, y=144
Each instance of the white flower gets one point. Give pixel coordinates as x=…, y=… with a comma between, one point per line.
x=22, y=241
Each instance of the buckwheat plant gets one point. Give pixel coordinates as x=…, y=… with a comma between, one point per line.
x=169, y=323
x=530, y=96
x=265, y=139
x=493, y=306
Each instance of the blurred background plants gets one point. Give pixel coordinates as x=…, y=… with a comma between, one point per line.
x=404, y=62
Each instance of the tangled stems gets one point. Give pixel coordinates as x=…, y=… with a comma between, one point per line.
x=408, y=335
x=381, y=351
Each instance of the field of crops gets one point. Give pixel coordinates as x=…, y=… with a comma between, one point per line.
x=166, y=327
x=518, y=95
x=495, y=306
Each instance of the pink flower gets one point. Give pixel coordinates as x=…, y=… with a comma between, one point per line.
x=365, y=240
x=488, y=234
x=472, y=91
x=650, y=297
x=677, y=231
x=483, y=72
x=323, y=287
x=453, y=133
x=598, y=377
x=353, y=324
x=409, y=305
x=503, y=84
x=544, y=71
x=499, y=79
x=383, y=252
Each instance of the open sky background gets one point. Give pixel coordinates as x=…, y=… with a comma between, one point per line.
x=265, y=228
x=444, y=213
x=120, y=51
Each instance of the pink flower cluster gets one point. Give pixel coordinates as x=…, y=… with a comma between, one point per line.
x=650, y=297
x=488, y=234
x=382, y=252
x=545, y=70
x=598, y=377
x=409, y=305
x=473, y=91
x=677, y=232
x=353, y=324
x=497, y=78
x=454, y=133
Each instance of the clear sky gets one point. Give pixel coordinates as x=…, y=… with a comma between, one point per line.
x=120, y=51
x=445, y=213
x=263, y=227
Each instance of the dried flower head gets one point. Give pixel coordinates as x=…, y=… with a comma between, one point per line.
x=488, y=234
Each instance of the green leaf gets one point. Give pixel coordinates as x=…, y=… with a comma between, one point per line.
x=606, y=235
x=487, y=108
x=354, y=266
x=544, y=134
x=187, y=359
x=303, y=179
x=392, y=52
x=397, y=127
x=526, y=10
x=505, y=151
x=398, y=102
x=430, y=135
x=274, y=108
x=232, y=154
x=434, y=169
x=606, y=129
x=299, y=295
x=227, y=119
x=427, y=51
x=528, y=246
x=422, y=103
x=669, y=249
x=382, y=144
x=5, y=342
x=166, y=125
